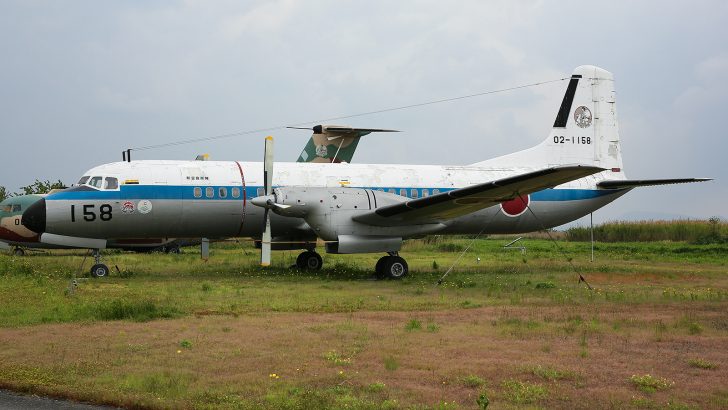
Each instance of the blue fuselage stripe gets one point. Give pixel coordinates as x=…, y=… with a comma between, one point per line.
x=186, y=192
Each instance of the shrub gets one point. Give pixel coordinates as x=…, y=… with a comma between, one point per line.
x=472, y=381
x=482, y=401
x=412, y=325
x=650, y=384
x=702, y=364
x=136, y=310
x=523, y=392
x=390, y=363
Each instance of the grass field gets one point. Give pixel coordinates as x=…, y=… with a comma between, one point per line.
x=511, y=330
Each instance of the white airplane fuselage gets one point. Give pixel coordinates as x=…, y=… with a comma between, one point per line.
x=212, y=199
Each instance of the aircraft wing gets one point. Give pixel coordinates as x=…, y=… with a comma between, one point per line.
x=458, y=202
x=635, y=183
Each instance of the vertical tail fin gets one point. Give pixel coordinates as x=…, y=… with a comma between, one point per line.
x=585, y=130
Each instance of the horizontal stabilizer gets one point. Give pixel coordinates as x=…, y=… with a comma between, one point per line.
x=462, y=201
x=635, y=183
x=342, y=130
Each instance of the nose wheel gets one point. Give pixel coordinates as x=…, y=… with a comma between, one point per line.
x=391, y=266
x=99, y=270
x=309, y=260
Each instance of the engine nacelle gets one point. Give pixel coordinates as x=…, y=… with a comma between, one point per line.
x=329, y=212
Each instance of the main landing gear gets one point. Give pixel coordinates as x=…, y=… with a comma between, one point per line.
x=309, y=260
x=99, y=270
x=18, y=252
x=392, y=266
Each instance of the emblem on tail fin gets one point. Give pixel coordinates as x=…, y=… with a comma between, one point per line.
x=583, y=117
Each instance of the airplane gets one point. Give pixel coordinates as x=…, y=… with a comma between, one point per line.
x=356, y=208
x=327, y=144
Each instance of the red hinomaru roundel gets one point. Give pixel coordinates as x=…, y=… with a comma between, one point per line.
x=516, y=206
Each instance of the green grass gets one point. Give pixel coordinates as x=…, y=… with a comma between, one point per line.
x=232, y=284
x=391, y=363
x=696, y=231
x=516, y=288
x=472, y=381
x=650, y=384
x=518, y=392
x=413, y=325
x=702, y=364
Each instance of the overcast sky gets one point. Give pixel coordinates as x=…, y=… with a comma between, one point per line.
x=81, y=81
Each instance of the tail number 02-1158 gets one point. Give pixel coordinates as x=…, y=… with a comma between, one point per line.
x=89, y=212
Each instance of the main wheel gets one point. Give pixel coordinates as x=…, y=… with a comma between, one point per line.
x=99, y=270
x=379, y=268
x=19, y=252
x=394, y=267
x=309, y=260
x=174, y=249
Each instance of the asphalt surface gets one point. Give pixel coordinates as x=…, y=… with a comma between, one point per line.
x=15, y=401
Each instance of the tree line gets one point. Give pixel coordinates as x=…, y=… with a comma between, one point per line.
x=37, y=187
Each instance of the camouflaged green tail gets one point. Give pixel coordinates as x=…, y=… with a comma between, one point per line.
x=320, y=149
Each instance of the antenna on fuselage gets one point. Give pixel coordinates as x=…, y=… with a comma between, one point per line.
x=126, y=155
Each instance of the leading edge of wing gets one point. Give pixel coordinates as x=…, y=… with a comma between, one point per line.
x=451, y=204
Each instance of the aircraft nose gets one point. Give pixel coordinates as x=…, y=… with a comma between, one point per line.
x=34, y=218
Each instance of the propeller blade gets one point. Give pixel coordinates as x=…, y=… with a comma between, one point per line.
x=268, y=166
x=265, y=246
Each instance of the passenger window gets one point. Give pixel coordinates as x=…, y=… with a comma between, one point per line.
x=260, y=191
x=96, y=182
x=414, y=193
x=83, y=180
x=209, y=192
x=111, y=183
x=391, y=191
x=435, y=191
x=197, y=192
x=425, y=192
x=17, y=208
x=403, y=192
x=236, y=192
x=222, y=192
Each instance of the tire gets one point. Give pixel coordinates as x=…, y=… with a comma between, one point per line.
x=99, y=270
x=174, y=250
x=379, y=268
x=19, y=252
x=395, y=267
x=309, y=260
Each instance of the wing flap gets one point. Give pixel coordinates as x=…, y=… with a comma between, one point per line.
x=635, y=183
x=458, y=202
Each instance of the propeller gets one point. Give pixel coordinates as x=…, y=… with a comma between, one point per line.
x=265, y=246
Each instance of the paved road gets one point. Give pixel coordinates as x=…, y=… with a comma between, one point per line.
x=15, y=401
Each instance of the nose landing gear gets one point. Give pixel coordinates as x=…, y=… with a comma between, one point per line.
x=391, y=266
x=99, y=270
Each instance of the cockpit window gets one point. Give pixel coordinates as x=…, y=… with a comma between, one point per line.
x=83, y=179
x=7, y=208
x=17, y=208
x=96, y=182
x=111, y=183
